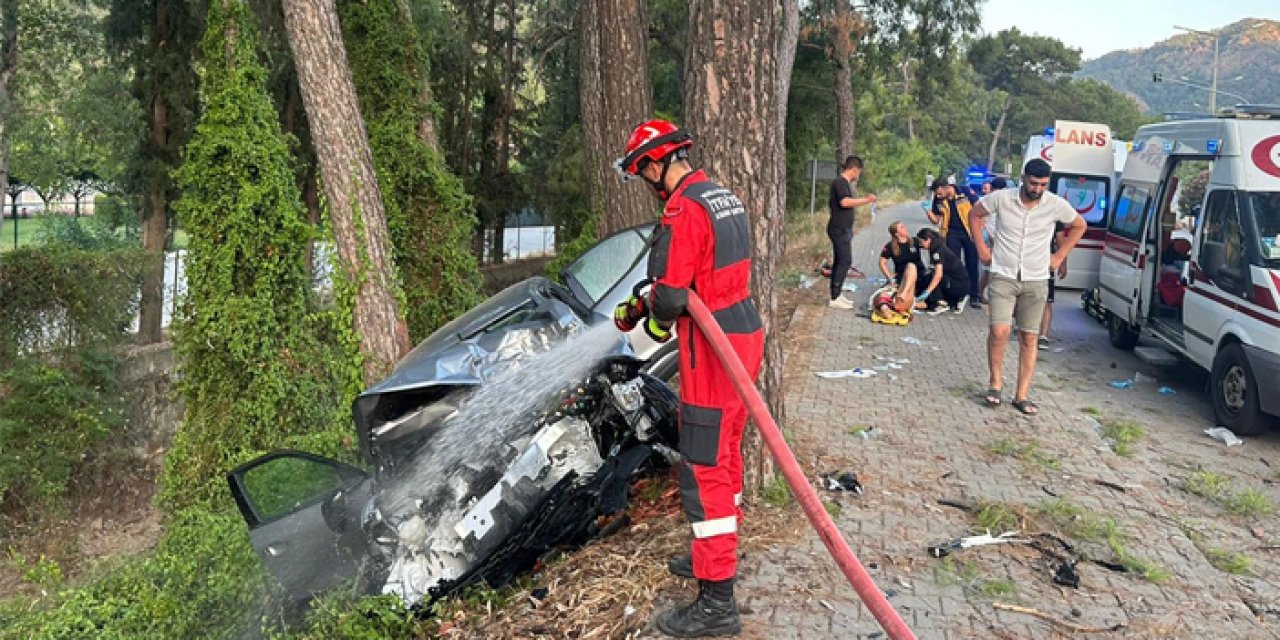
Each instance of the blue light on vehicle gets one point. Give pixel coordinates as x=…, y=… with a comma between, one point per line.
x=1168, y=146
x=1048, y=131
x=1214, y=146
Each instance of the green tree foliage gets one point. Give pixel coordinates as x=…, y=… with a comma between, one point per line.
x=1020, y=66
x=253, y=371
x=429, y=213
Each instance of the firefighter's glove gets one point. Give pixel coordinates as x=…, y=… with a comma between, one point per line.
x=629, y=313
x=655, y=330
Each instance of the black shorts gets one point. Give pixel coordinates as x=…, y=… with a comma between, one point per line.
x=1049, y=300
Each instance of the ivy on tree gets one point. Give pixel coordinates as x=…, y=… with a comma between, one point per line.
x=252, y=370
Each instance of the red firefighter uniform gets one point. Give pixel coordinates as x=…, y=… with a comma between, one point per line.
x=703, y=245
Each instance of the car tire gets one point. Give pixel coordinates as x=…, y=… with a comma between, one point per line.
x=1120, y=333
x=665, y=363
x=1235, y=393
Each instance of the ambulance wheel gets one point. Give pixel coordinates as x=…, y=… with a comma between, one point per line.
x=1235, y=393
x=1121, y=334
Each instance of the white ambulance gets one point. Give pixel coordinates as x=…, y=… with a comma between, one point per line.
x=1210, y=292
x=1086, y=162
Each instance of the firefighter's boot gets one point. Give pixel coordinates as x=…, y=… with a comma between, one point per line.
x=681, y=565
x=714, y=613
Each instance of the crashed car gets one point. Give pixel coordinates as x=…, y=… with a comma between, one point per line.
x=513, y=430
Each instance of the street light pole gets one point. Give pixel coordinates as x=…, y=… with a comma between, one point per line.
x=1216, y=34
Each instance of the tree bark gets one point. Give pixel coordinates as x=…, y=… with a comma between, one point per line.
x=739, y=63
x=8, y=68
x=906, y=92
x=155, y=211
x=995, y=139
x=842, y=37
x=351, y=187
x=615, y=96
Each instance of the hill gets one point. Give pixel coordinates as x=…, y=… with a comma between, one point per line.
x=1249, y=54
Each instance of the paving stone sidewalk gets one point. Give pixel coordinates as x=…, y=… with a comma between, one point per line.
x=931, y=437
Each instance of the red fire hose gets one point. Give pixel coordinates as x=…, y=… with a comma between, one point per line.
x=805, y=495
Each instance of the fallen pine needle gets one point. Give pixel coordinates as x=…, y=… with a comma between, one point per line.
x=1055, y=620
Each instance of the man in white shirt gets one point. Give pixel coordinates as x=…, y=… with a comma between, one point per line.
x=1020, y=263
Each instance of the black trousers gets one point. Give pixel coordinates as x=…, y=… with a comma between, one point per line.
x=841, y=257
x=952, y=290
x=959, y=242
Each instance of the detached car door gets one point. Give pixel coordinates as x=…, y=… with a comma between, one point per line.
x=303, y=513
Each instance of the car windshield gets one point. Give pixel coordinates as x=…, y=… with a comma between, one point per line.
x=599, y=269
x=1264, y=207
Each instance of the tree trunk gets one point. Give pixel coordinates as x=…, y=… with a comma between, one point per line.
x=351, y=187
x=843, y=48
x=155, y=211
x=995, y=139
x=615, y=96
x=739, y=62
x=906, y=92
x=8, y=67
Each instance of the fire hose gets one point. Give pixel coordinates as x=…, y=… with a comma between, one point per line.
x=858, y=577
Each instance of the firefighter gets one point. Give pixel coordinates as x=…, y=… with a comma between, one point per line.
x=702, y=245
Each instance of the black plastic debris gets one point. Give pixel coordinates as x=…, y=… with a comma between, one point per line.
x=1066, y=575
x=846, y=481
x=540, y=593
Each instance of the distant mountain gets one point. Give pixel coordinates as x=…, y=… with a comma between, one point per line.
x=1248, y=60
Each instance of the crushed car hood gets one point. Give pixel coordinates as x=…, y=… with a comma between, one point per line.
x=428, y=384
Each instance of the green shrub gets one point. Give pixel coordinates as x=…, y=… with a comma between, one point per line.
x=89, y=296
x=50, y=417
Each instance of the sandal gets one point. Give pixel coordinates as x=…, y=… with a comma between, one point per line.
x=993, y=397
x=1026, y=406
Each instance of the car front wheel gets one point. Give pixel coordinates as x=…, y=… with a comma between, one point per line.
x=1235, y=393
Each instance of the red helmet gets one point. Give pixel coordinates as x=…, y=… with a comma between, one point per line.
x=652, y=141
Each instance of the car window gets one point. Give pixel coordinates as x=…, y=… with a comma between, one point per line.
x=1130, y=209
x=1087, y=195
x=1265, y=207
x=600, y=268
x=1223, y=250
x=283, y=485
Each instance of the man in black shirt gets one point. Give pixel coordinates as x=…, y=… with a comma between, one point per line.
x=842, y=201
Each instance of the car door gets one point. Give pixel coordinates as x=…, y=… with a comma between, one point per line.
x=303, y=513
x=1219, y=274
x=1123, y=258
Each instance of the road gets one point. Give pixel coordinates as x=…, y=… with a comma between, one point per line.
x=1191, y=518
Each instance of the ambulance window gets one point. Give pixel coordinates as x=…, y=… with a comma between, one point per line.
x=1131, y=206
x=1222, y=254
x=1088, y=196
x=1265, y=207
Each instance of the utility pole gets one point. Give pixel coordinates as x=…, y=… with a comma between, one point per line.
x=1216, y=34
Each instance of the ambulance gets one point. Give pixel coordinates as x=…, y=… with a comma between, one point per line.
x=1086, y=163
x=1208, y=292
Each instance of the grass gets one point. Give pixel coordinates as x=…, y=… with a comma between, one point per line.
x=1229, y=561
x=1216, y=488
x=1091, y=411
x=1074, y=521
x=964, y=573
x=26, y=232
x=997, y=518
x=833, y=508
x=778, y=494
x=1122, y=434
x=1031, y=453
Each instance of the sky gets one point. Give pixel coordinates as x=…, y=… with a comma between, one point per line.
x=1097, y=27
